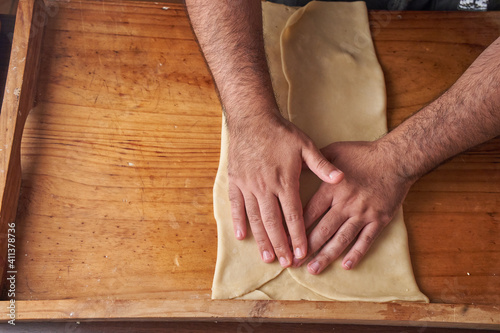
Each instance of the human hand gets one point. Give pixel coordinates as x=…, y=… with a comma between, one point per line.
x=266, y=154
x=360, y=206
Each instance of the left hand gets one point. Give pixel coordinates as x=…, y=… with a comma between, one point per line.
x=361, y=205
x=265, y=157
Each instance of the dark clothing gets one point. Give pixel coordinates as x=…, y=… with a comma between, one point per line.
x=467, y=5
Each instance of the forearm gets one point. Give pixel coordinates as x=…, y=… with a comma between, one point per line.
x=466, y=115
x=230, y=35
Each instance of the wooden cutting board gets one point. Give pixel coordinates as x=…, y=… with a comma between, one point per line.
x=120, y=153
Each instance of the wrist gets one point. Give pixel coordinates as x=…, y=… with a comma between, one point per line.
x=397, y=160
x=252, y=116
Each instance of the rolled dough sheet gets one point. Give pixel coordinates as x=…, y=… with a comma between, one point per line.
x=329, y=83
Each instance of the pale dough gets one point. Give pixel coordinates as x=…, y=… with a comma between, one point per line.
x=329, y=83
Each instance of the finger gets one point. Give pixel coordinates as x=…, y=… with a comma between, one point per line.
x=318, y=164
x=292, y=210
x=271, y=219
x=332, y=250
x=238, y=211
x=366, y=238
x=258, y=230
x=319, y=203
x=322, y=232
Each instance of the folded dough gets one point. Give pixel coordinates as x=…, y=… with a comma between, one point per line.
x=329, y=83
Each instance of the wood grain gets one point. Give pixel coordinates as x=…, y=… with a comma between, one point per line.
x=452, y=214
x=367, y=313
x=119, y=157
x=20, y=88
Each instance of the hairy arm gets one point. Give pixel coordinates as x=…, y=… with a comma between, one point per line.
x=464, y=116
x=265, y=150
x=230, y=35
x=379, y=174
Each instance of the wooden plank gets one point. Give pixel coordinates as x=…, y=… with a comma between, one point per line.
x=119, y=157
x=394, y=314
x=17, y=102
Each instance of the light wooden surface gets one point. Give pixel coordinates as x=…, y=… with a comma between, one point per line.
x=18, y=98
x=452, y=214
x=119, y=157
x=190, y=306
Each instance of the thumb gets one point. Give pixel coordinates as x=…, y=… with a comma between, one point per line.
x=318, y=164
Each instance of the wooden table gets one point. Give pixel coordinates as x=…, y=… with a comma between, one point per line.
x=120, y=153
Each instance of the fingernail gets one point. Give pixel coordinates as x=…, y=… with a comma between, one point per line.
x=239, y=234
x=298, y=253
x=334, y=174
x=267, y=256
x=348, y=264
x=313, y=266
x=283, y=262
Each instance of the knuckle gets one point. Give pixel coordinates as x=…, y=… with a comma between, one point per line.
x=285, y=182
x=237, y=219
x=260, y=185
x=381, y=216
x=368, y=239
x=253, y=219
x=270, y=224
x=385, y=219
x=234, y=192
x=316, y=207
x=234, y=174
x=308, y=144
x=321, y=163
x=235, y=200
x=297, y=240
x=343, y=239
x=293, y=218
x=280, y=248
x=261, y=243
x=324, y=231
x=327, y=257
x=231, y=174
x=357, y=253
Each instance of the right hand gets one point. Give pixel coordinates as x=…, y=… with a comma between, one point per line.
x=357, y=210
x=266, y=153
